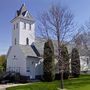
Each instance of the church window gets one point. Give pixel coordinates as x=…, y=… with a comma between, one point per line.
x=17, y=25
x=15, y=41
x=27, y=41
x=14, y=57
x=24, y=25
x=28, y=69
x=30, y=26
x=32, y=62
x=14, y=26
x=87, y=61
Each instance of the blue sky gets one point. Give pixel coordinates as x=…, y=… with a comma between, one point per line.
x=80, y=9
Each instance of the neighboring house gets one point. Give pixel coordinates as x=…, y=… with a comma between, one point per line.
x=84, y=57
x=25, y=56
x=85, y=60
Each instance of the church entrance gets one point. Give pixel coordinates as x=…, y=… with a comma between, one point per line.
x=31, y=68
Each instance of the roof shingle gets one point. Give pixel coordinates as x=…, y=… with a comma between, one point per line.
x=27, y=50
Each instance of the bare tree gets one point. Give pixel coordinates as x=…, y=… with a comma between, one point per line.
x=57, y=23
x=83, y=38
x=82, y=42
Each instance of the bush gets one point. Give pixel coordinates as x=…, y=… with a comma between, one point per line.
x=58, y=76
x=3, y=62
x=13, y=77
x=1, y=69
x=24, y=79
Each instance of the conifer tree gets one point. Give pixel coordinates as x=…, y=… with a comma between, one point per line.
x=48, y=64
x=75, y=63
x=65, y=59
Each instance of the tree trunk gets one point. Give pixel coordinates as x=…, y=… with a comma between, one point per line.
x=60, y=62
x=62, y=84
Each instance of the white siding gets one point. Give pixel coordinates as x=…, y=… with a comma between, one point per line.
x=15, y=32
x=83, y=63
x=26, y=33
x=38, y=66
x=21, y=34
x=18, y=63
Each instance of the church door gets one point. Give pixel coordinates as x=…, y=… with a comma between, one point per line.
x=32, y=70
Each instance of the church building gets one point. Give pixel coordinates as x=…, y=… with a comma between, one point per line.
x=23, y=57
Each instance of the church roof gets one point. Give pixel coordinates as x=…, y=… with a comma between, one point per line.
x=23, y=13
x=37, y=49
x=39, y=44
x=27, y=50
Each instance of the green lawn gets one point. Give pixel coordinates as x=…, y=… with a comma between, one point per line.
x=82, y=83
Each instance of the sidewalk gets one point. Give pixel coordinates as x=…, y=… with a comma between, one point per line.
x=4, y=86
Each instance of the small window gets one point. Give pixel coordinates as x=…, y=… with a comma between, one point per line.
x=17, y=25
x=30, y=26
x=24, y=25
x=28, y=70
x=15, y=41
x=14, y=57
x=27, y=41
x=32, y=62
x=87, y=61
x=14, y=26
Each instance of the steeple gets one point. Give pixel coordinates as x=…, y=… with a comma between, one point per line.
x=22, y=10
x=23, y=27
x=23, y=13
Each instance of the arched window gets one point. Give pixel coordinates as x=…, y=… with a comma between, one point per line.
x=27, y=41
x=15, y=41
x=30, y=26
x=16, y=25
x=24, y=25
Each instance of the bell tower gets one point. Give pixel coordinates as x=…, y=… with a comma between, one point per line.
x=23, y=32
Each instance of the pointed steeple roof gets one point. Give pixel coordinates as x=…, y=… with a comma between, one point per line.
x=22, y=10
x=23, y=13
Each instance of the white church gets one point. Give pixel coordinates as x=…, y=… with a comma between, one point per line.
x=22, y=56
x=25, y=54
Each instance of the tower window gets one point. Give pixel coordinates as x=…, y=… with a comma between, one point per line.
x=30, y=26
x=15, y=41
x=27, y=41
x=17, y=25
x=14, y=26
x=24, y=25
x=14, y=57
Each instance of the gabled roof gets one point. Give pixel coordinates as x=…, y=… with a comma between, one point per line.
x=23, y=13
x=27, y=50
x=37, y=49
x=39, y=44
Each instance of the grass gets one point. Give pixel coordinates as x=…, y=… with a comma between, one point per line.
x=81, y=83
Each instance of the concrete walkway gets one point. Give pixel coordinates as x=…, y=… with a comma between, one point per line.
x=4, y=86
